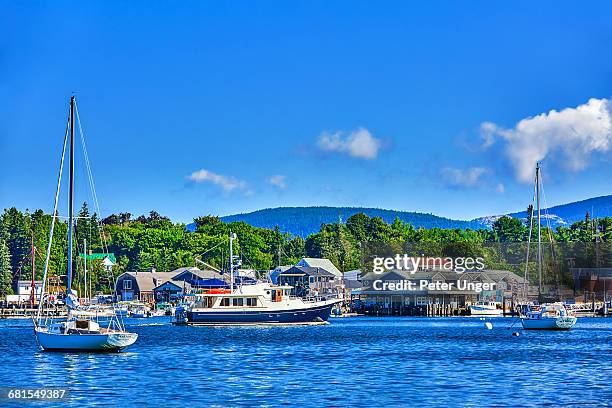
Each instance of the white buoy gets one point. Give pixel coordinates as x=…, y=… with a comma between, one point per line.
x=489, y=325
x=516, y=334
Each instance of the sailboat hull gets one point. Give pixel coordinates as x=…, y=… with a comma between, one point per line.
x=113, y=341
x=558, y=323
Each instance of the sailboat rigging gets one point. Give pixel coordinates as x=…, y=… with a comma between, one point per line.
x=74, y=333
x=551, y=316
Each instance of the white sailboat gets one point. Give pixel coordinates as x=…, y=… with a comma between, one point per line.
x=552, y=316
x=78, y=332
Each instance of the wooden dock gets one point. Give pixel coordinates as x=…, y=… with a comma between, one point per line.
x=27, y=313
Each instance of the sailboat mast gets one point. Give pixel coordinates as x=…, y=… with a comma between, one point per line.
x=85, y=264
x=33, y=288
x=71, y=200
x=231, y=259
x=539, y=231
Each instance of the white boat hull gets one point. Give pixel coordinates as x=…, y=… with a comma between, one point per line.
x=549, y=323
x=112, y=341
x=484, y=311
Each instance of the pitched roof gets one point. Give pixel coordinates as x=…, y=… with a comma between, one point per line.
x=180, y=284
x=101, y=255
x=306, y=270
x=321, y=263
x=199, y=273
x=355, y=274
x=146, y=281
x=352, y=284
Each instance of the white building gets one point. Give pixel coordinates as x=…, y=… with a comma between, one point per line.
x=24, y=292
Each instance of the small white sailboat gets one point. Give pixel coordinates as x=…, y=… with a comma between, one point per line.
x=552, y=316
x=79, y=332
x=485, y=308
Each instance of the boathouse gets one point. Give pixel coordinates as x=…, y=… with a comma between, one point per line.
x=399, y=292
x=171, y=291
x=141, y=285
x=595, y=282
x=308, y=281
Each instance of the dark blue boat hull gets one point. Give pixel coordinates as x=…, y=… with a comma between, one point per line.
x=315, y=314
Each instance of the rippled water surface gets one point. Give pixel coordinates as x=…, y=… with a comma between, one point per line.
x=351, y=361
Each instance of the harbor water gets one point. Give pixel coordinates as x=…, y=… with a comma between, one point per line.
x=352, y=361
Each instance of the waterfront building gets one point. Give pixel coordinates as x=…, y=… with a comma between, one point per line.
x=389, y=293
x=592, y=282
x=141, y=285
x=171, y=291
x=23, y=292
x=273, y=275
x=309, y=281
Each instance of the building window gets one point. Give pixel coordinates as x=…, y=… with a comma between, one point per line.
x=127, y=284
x=422, y=301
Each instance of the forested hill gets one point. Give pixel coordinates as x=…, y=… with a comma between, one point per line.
x=304, y=221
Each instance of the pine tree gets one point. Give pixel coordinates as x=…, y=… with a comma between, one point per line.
x=6, y=276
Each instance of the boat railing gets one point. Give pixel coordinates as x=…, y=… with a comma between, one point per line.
x=319, y=298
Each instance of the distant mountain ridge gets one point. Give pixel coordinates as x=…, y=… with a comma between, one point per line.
x=304, y=221
x=564, y=214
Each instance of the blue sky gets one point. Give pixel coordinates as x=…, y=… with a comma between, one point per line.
x=193, y=108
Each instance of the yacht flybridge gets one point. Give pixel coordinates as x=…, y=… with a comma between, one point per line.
x=261, y=303
x=80, y=331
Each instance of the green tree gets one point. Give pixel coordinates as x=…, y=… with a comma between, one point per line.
x=6, y=276
x=508, y=229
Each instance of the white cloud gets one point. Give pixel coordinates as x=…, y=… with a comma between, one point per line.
x=359, y=143
x=500, y=188
x=278, y=180
x=574, y=134
x=470, y=177
x=227, y=183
